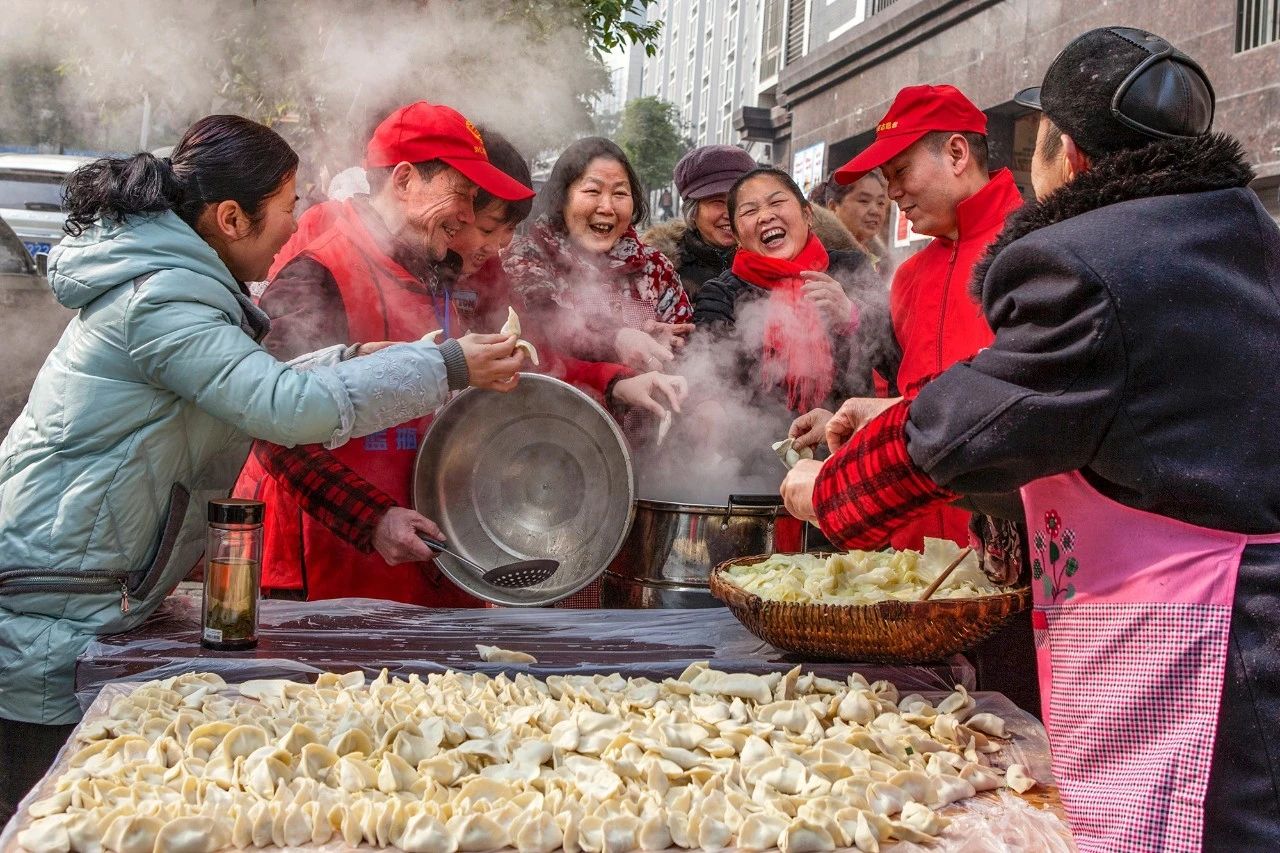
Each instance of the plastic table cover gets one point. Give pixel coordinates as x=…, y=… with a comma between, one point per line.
x=297, y=640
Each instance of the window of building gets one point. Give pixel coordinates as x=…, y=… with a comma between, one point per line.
x=859, y=15
x=771, y=38
x=1257, y=23
x=877, y=6
x=797, y=30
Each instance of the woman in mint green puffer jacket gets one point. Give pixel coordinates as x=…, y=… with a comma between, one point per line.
x=147, y=406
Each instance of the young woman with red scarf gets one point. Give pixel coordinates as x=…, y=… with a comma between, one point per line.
x=825, y=314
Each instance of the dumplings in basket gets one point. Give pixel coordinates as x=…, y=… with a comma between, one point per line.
x=864, y=577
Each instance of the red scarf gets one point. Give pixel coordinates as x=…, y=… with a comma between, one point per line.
x=797, y=350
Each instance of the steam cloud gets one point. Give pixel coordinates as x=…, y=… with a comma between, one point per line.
x=703, y=462
x=105, y=63
x=347, y=63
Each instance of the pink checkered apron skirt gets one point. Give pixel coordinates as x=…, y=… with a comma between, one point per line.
x=1132, y=614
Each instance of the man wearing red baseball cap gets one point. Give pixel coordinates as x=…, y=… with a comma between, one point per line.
x=360, y=271
x=932, y=148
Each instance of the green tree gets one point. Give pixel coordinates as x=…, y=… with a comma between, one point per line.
x=606, y=124
x=615, y=23
x=606, y=24
x=650, y=134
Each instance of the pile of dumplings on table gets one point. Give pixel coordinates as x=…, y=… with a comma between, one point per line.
x=470, y=762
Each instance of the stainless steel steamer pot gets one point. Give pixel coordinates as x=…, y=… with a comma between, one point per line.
x=667, y=558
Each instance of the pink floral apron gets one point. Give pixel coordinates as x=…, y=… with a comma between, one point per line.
x=1132, y=614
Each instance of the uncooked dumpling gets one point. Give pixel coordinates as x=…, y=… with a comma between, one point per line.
x=536, y=834
x=191, y=835
x=664, y=426
x=988, y=724
x=1017, y=778
x=512, y=327
x=802, y=836
x=761, y=831
x=352, y=740
x=789, y=454
x=493, y=654
x=46, y=835
x=132, y=834
x=477, y=832
x=423, y=833
x=242, y=741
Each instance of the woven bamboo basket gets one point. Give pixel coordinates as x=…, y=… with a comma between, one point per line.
x=885, y=632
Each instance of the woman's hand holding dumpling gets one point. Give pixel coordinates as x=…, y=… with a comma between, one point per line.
x=653, y=391
x=493, y=361
x=810, y=428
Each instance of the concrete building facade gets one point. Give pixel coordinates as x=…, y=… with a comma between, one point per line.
x=706, y=63
x=720, y=62
x=829, y=99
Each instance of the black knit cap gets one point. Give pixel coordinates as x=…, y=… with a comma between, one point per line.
x=1117, y=88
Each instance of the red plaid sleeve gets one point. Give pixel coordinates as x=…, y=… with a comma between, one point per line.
x=871, y=487
x=330, y=492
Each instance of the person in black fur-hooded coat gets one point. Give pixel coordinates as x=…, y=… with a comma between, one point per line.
x=1130, y=395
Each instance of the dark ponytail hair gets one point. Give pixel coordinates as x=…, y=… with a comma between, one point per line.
x=219, y=158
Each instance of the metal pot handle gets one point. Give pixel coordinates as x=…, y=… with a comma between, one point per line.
x=773, y=500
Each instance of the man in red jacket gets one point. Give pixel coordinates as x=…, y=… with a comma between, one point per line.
x=932, y=148
x=368, y=272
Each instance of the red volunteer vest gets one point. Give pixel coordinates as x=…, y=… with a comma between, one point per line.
x=383, y=302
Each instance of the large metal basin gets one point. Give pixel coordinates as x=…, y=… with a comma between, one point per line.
x=541, y=471
x=667, y=558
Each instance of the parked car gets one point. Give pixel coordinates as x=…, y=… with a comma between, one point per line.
x=31, y=321
x=31, y=196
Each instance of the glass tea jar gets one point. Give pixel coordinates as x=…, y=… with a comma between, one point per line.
x=232, y=574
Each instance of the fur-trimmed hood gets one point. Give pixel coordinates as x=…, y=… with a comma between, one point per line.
x=1168, y=167
x=831, y=231
x=668, y=237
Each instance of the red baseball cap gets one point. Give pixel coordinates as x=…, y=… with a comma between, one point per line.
x=915, y=111
x=421, y=132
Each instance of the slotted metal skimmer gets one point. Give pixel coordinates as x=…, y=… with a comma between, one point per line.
x=517, y=575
